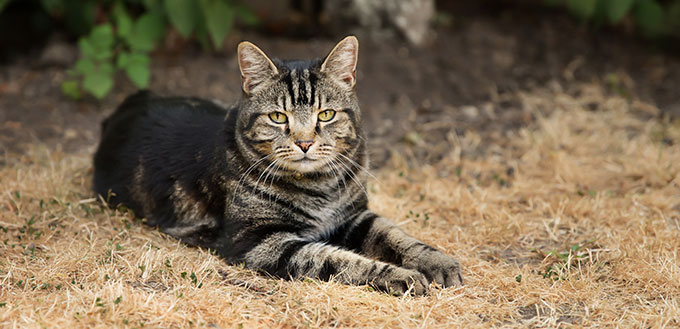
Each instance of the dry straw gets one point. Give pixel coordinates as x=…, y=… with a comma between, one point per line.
x=574, y=221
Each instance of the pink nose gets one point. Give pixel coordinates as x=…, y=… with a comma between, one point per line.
x=304, y=145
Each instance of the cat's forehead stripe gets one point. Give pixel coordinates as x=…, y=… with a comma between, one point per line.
x=287, y=99
x=301, y=86
x=308, y=87
x=295, y=87
x=288, y=96
x=312, y=90
x=302, y=89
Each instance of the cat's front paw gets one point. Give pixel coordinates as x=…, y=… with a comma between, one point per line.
x=399, y=281
x=437, y=267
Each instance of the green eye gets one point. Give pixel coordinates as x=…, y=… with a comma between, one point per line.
x=326, y=115
x=278, y=117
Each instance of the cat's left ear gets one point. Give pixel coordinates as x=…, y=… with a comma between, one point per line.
x=341, y=62
x=257, y=70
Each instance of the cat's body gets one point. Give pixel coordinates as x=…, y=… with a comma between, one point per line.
x=275, y=183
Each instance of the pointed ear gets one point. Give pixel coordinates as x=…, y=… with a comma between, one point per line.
x=256, y=68
x=341, y=63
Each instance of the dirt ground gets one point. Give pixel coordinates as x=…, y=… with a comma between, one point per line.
x=541, y=154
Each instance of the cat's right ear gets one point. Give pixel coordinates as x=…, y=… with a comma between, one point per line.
x=256, y=68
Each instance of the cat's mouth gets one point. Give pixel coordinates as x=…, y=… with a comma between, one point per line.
x=305, y=159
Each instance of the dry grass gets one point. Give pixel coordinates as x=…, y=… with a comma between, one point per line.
x=584, y=230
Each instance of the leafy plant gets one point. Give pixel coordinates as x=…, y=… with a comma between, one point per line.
x=118, y=35
x=207, y=20
x=123, y=43
x=105, y=50
x=652, y=19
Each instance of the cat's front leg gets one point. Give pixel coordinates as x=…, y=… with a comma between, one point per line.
x=289, y=256
x=375, y=236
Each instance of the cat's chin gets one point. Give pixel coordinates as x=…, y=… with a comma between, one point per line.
x=305, y=165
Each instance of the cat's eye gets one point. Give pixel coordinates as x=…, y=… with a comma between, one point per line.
x=326, y=115
x=278, y=117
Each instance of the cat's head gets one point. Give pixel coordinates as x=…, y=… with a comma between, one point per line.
x=302, y=115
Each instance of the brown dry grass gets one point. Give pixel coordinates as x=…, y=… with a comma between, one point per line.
x=584, y=230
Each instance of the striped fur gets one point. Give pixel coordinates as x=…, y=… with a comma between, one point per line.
x=233, y=180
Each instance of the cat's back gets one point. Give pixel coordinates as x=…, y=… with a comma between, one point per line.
x=155, y=136
x=162, y=115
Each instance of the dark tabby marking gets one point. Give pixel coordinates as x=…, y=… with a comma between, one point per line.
x=275, y=182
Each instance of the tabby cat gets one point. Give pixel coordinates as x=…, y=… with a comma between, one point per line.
x=275, y=183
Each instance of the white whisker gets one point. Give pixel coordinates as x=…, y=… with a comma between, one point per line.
x=353, y=176
x=360, y=167
x=246, y=173
x=276, y=171
x=344, y=182
x=263, y=172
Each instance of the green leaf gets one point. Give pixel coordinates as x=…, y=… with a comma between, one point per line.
x=147, y=30
x=107, y=68
x=125, y=58
x=583, y=9
x=123, y=20
x=86, y=47
x=219, y=17
x=152, y=25
x=101, y=37
x=71, y=89
x=104, y=55
x=617, y=9
x=202, y=36
x=3, y=3
x=246, y=15
x=649, y=17
x=84, y=66
x=140, y=43
x=140, y=58
x=122, y=59
x=153, y=5
x=183, y=15
x=137, y=69
x=98, y=83
x=51, y=6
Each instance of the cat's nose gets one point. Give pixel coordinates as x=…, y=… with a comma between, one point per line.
x=304, y=145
